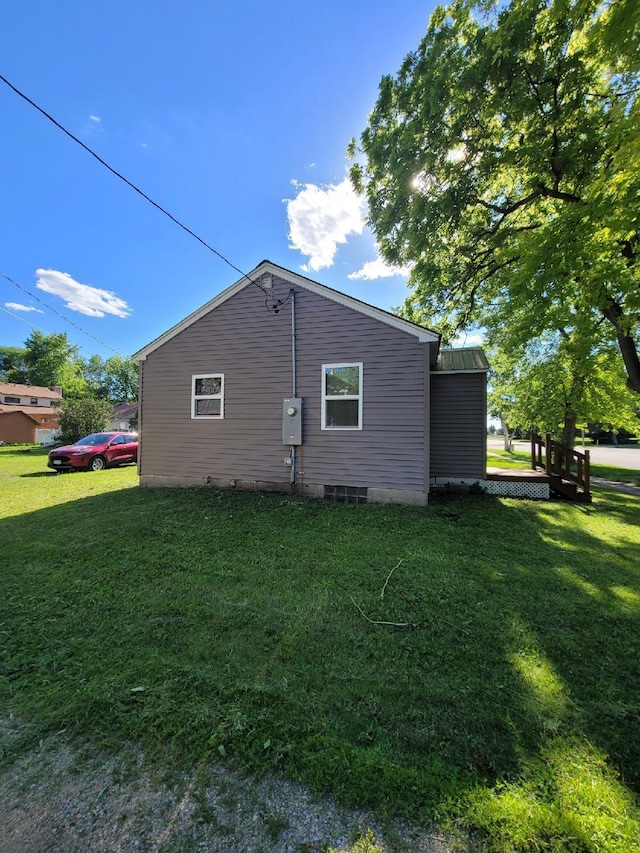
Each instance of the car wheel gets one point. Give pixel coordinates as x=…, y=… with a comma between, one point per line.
x=98, y=463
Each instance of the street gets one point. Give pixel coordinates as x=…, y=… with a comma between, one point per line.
x=627, y=456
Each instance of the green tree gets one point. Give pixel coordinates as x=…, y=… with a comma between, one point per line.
x=13, y=366
x=114, y=379
x=503, y=162
x=121, y=379
x=616, y=34
x=80, y=417
x=552, y=387
x=53, y=360
x=93, y=372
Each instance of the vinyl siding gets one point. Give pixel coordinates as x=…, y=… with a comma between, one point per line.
x=252, y=348
x=458, y=425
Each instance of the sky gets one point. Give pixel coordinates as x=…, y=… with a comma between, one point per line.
x=234, y=118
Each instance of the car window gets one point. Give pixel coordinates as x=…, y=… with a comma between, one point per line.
x=119, y=439
x=95, y=439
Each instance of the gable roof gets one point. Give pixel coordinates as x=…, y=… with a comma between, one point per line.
x=463, y=360
x=267, y=268
x=20, y=410
x=15, y=389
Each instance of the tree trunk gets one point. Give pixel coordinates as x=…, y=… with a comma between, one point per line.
x=627, y=345
x=507, y=437
x=569, y=430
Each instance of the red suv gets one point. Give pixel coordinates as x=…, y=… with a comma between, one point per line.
x=96, y=452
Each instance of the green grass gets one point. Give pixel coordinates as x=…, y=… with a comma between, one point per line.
x=252, y=628
x=520, y=459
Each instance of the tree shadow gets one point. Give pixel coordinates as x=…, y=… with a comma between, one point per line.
x=505, y=637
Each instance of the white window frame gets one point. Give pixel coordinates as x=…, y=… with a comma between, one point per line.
x=195, y=398
x=326, y=397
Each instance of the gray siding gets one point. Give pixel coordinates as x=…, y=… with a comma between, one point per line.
x=458, y=425
x=252, y=347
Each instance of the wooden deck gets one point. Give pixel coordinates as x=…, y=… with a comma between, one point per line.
x=518, y=483
x=569, y=469
x=517, y=475
x=555, y=469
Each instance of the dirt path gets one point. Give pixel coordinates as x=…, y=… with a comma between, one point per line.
x=58, y=799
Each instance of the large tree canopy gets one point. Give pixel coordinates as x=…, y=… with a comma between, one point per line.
x=503, y=162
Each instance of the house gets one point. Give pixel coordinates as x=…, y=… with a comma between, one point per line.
x=280, y=383
x=123, y=415
x=27, y=412
x=12, y=394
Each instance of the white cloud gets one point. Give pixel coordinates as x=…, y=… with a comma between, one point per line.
x=82, y=298
x=379, y=268
x=322, y=217
x=16, y=306
x=95, y=118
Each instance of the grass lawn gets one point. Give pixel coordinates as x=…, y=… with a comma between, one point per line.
x=497, y=458
x=473, y=664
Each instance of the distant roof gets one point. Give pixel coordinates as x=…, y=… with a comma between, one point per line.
x=423, y=334
x=467, y=360
x=13, y=388
x=25, y=411
x=125, y=410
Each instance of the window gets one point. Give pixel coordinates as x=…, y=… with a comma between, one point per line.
x=208, y=396
x=34, y=401
x=342, y=396
x=12, y=400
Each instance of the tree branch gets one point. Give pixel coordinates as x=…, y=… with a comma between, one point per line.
x=614, y=314
x=555, y=193
x=505, y=210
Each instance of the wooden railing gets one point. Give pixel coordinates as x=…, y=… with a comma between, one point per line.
x=560, y=461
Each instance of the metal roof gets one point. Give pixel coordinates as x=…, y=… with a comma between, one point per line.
x=467, y=360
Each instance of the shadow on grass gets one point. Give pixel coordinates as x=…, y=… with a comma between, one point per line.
x=414, y=660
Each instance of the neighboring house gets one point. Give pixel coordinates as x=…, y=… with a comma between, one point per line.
x=27, y=413
x=301, y=388
x=12, y=394
x=123, y=415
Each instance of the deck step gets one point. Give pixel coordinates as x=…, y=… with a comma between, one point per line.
x=565, y=489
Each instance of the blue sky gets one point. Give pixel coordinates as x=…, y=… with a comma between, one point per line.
x=234, y=118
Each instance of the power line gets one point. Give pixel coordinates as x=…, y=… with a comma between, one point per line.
x=66, y=319
x=17, y=317
x=131, y=185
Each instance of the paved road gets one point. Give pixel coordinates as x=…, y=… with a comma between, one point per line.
x=621, y=457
